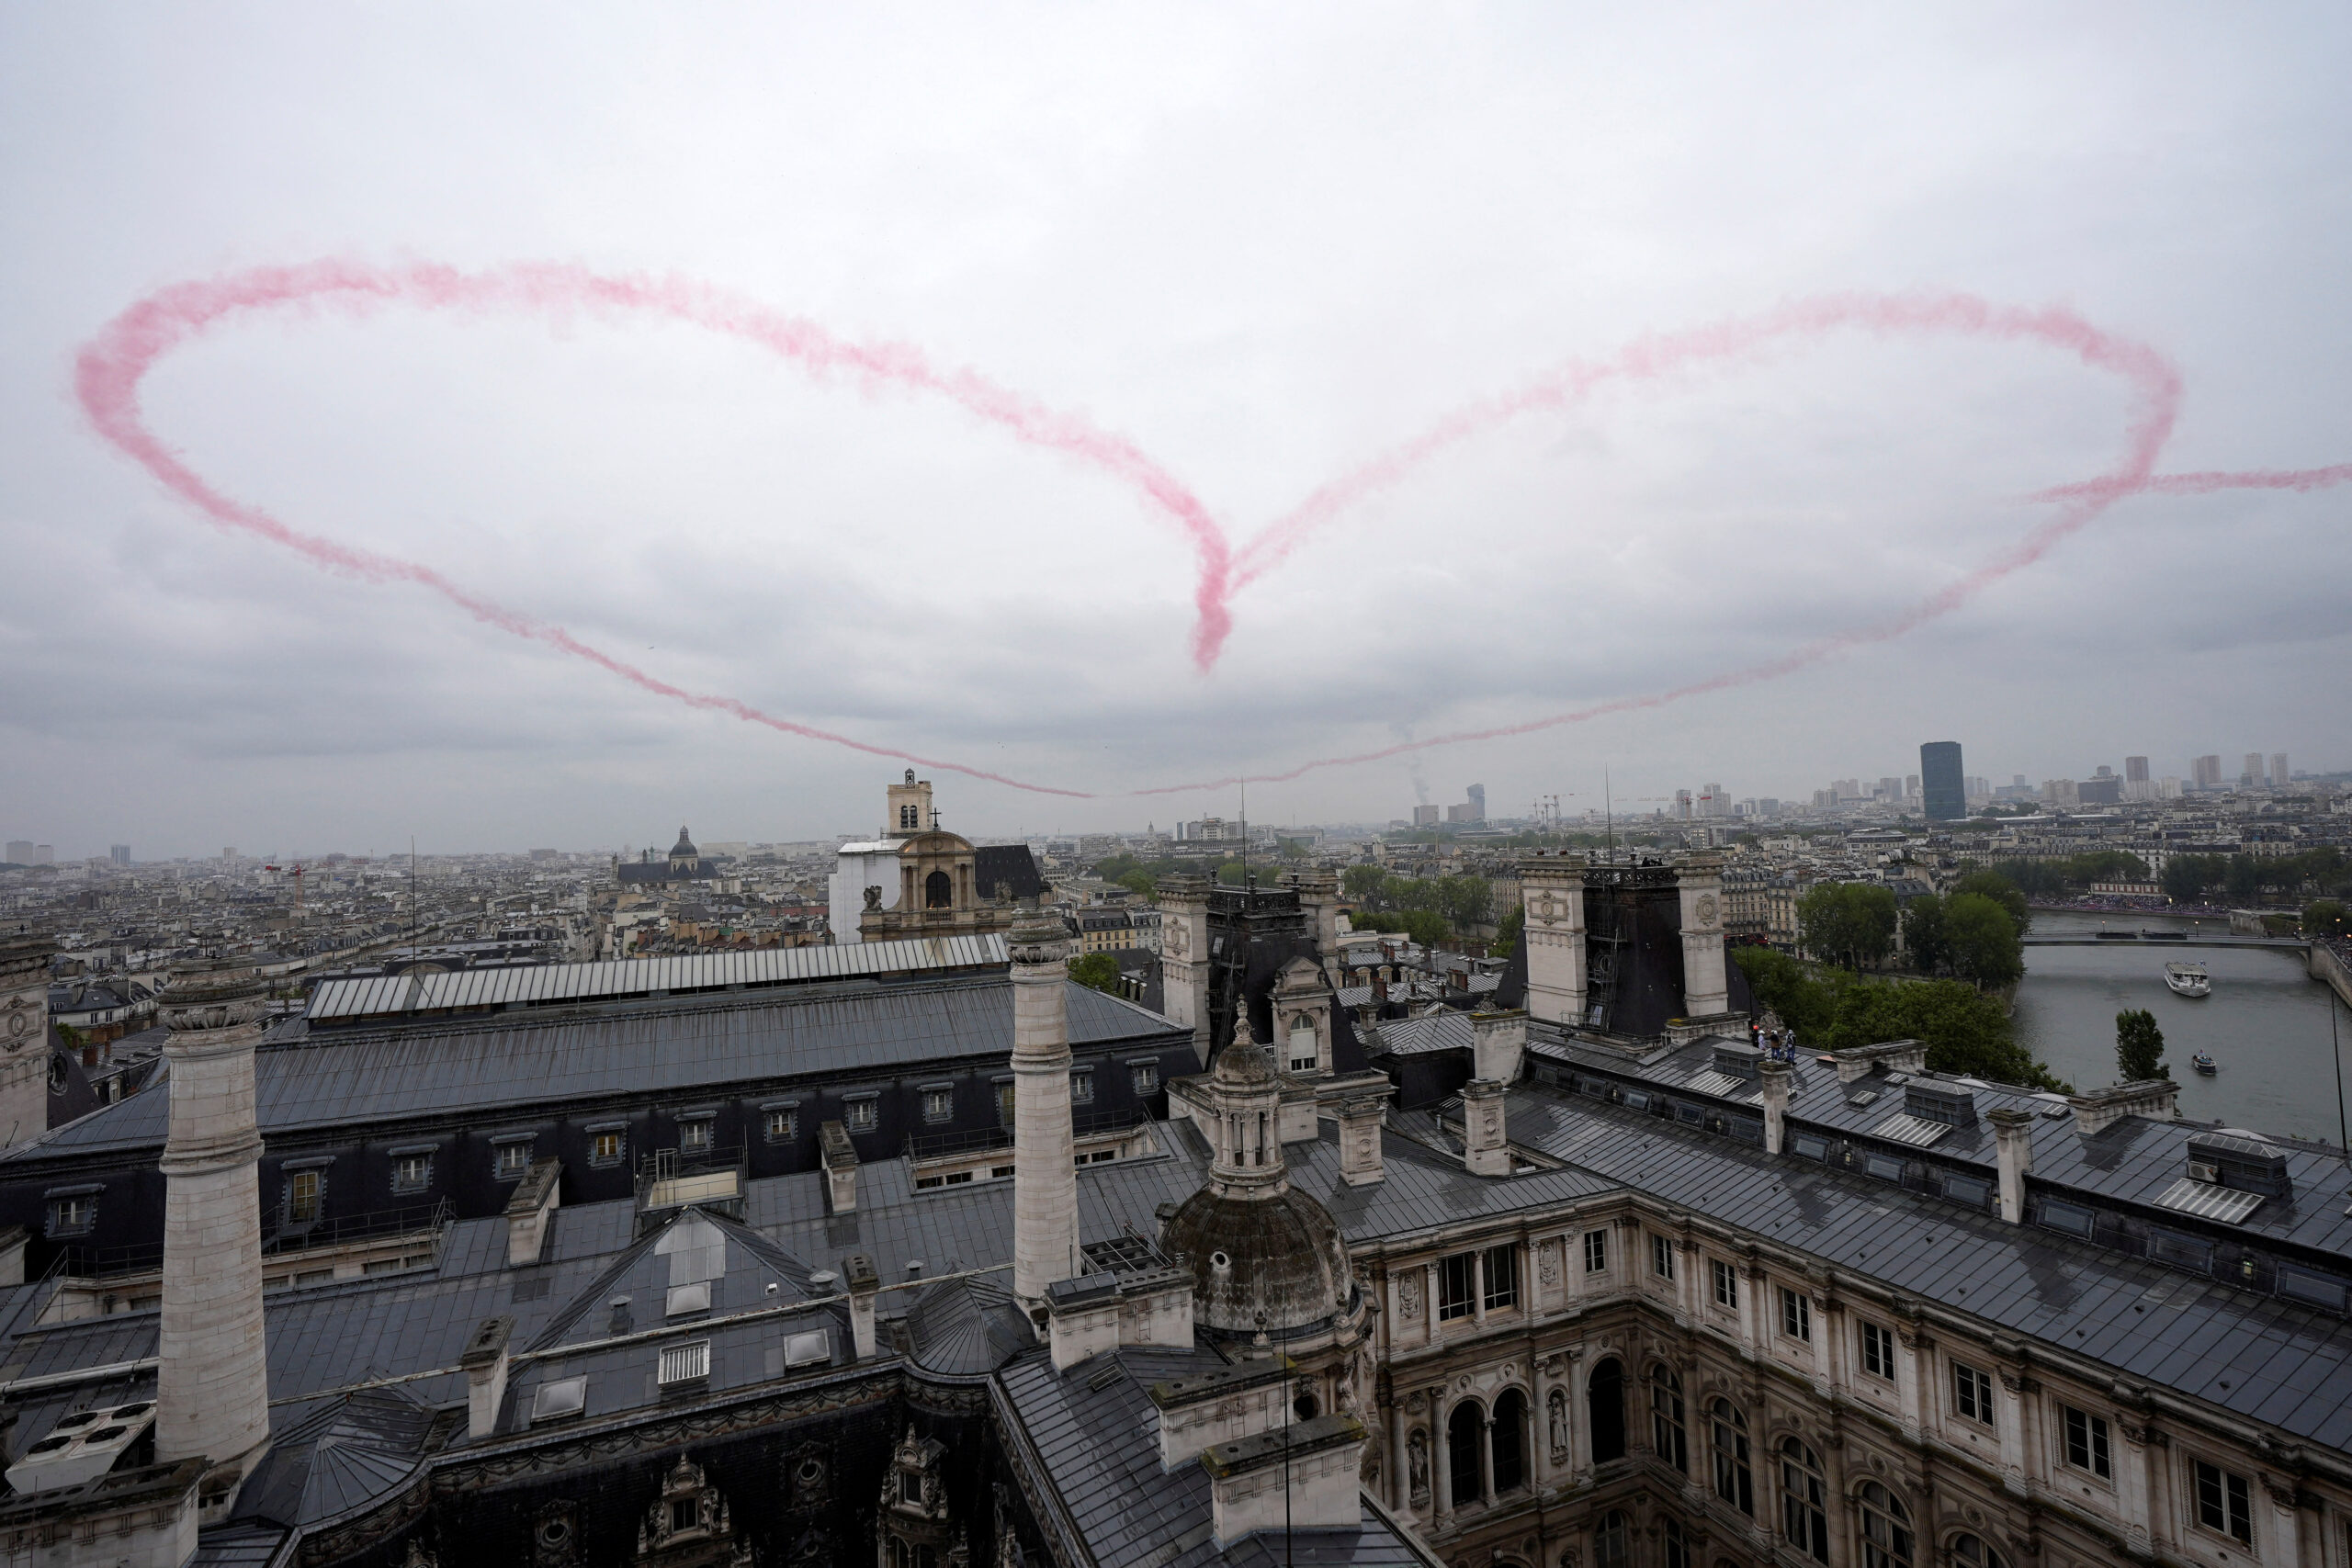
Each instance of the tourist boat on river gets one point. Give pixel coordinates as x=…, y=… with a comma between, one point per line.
x=2187, y=979
x=2204, y=1064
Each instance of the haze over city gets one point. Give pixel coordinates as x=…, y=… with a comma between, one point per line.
x=1264, y=250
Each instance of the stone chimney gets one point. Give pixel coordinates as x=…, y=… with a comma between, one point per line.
x=1319, y=895
x=1553, y=890
x=2013, y=1147
x=839, y=1157
x=1485, y=1146
x=1705, y=987
x=1361, y=1161
x=2156, y=1099
x=1045, y=1182
x=24, y=1036
x=530, y=1212
x=864, y=1287
x=212, y=1372
x=1184, y=958
x=1302, y=1476
x=484, y=1360
x=1497, y=1044
x=1894, y=1056
x=1774, y=1074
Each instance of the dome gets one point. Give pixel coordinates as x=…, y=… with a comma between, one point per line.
x=684, y=848
x=1278, y=1253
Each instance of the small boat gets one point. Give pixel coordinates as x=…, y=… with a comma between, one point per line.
x=2204, y=1064
x=2187, y=979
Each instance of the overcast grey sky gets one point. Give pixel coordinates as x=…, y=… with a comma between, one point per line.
x=1263, y=244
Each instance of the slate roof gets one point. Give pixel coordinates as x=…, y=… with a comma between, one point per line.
x=1091, y=1430
x=1422, y=1036
x=637, y=1050
x=2252, y=1355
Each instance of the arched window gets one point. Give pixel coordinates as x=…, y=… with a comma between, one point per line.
x=1677, y=1545
x=1971, y=1552
x=907, y=818
x=1610, y=1546
x=1886, y=1528
x=1803, y=1518
x=1667, y=1433
x=1509, y=1440
x=1733, y=1483
x=1604, y=1399
x=938, y=892
x=1462, y=1430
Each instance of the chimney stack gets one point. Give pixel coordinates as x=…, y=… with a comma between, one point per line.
x=864, y=1287
x=1774, y=1074
x=1045, y=1182
x=212, y=1377
x=839, y=1157
x=1184, y=958
x=2013, y=1147
x=1552, y=888
x=1705, y=987
x=484, y=1360
x=1486, y=1146
x=1361, y=1161
x=1497, y=1043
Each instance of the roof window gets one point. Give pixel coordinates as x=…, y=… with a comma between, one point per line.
x=562, y=1397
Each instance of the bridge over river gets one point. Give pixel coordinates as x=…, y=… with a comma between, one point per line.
x=2166, y=939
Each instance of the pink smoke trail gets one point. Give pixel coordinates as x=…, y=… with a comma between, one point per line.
x=112, y=367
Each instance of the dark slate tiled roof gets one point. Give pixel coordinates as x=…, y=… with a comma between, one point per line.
x=2253, y=1355
x=1092, y=1430
x=239, y=1546
x=2129, y=1162
x=643, y=1050
x=341, y=1457
x=1423, y=1036
x=1008, y=864
x=965, y=1326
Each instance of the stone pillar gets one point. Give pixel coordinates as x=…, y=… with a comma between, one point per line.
x=2013, y=1150
x=1401, y=1461
x=1554, y=889
x=24, y=1036
x=1479, y=1286
x=2010, y=1429
x=1774, y=1076
x=1486, y=1451
x=1579, y=1418
x=1440, y=1458
x=1184, y=958
x=212, y=1374
x=1497, y=1044
x=2131, y=1482
x=1429, y=1300
x=1705, y=989
x=1910, y=1376
x=865, y=1286
x=1045, y=1183
x=1830, y=1343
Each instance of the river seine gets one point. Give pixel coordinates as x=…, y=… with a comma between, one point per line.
x=2266, y=1024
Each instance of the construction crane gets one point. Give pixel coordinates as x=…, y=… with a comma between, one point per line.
x=295, y=873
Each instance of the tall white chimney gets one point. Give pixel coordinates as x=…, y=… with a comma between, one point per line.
x=212, y=1394
x=1552, y=888
x=1705, y=986
x=1045, y=1182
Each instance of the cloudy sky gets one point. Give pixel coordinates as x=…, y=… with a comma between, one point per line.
x=1261, y=247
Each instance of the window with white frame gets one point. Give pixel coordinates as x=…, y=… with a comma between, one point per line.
x=1878, y=1351
x=1305, y=1057
x=1596, y=1252
x=859, y=1115
x=607, y=1145
x=1081, y=1086
x=2224, y=1503
x=412, y=1170
x=1971, y=1393
x=2086, y=1442
x=1726, y=1283
x=695, y=1136
x=513, y=1158
x=781, y=1123
x=1662, y=1256
x=1143, y=1078
x=1796, y=1315
x=73, y=1214
x=938, y=1103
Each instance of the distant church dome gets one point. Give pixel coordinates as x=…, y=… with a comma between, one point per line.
x=1263, y=1255
x=684, y=848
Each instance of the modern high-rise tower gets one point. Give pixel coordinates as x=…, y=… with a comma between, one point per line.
x=2136, y=770
x=2278, y=774
x=1941, y=784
